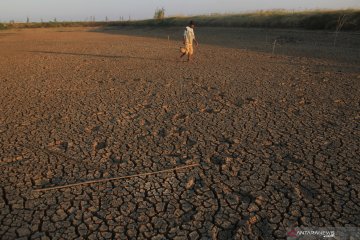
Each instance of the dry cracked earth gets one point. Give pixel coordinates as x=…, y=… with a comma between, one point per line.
x=276, y=139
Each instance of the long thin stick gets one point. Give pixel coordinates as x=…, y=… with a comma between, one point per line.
x=116, y=178
x=274, y=45
x=341, y=21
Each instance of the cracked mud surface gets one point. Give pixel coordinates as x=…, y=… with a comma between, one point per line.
x=276, y=137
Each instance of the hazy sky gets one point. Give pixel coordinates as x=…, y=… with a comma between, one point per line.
x=18, y=10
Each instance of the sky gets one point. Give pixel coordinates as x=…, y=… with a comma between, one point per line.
x=73, y=10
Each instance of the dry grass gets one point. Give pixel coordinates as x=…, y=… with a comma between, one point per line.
x=54, y=24
x=313, y=20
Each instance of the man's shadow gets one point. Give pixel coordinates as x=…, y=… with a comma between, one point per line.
x=99, y=55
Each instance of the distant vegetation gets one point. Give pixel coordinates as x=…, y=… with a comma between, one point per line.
x=2, y=26
x=159, y=14
x=55, y=24
x=312, y=20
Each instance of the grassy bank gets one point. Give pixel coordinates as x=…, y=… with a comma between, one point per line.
x=312, y=20
x=54, y=24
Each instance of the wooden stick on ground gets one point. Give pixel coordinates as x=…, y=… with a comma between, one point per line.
x=116, y=178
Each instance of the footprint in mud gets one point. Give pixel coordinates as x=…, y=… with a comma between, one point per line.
x=162, y=133
x=178, y=116
x=144, y=122
x=239, y=102
x=207, y=110
x=60, y=145
x=217, y=160
x=251, y=100
x=190, y=142
x=116, y=159
x=292, y=159
x=90, y=129
x=306, y=191
x=95, y=129
x=179, y=130
x=99, y=145
x=64, y=146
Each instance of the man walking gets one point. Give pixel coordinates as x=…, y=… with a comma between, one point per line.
x=189, y=39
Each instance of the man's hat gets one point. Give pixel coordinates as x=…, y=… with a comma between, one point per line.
x=191, y=23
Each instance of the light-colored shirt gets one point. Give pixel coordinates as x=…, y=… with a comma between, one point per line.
x=189, y=35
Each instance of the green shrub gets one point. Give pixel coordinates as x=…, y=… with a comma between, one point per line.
x=2, y=26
